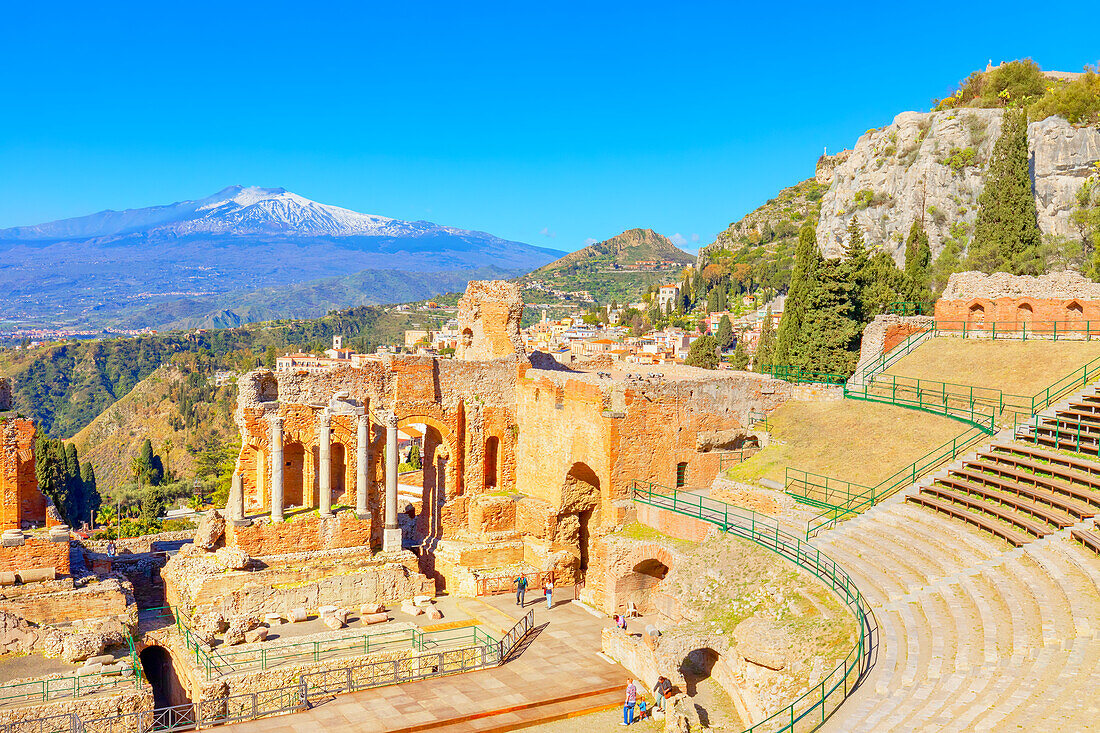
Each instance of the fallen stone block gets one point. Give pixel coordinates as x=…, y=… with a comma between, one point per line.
x=90, y=668
x=342, y=614
x=373, y=618
x=100, y=659
x=435, y=614
x=210, y=530
x=255, y=635
x=233, y=636
x=7, y=578
x=368, y=609
x=332, y=621
x=411, y=609
x=297, y=615
x=325, y=611
x=273, y=619
x=36, y=575
x=232, y=558
x=422, y=600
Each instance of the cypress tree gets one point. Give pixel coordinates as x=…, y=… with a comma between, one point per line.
x=789, y=349
x=724, y=334
x=92, y=499
x=1006, y=235
x=830, y=326
x=740, y=358
x=853, y=269
x=765, y=346
x=918, y=256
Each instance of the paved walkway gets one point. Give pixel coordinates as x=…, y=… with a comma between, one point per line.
x=559, y=672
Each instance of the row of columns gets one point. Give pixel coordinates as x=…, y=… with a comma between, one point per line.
x=391, y=536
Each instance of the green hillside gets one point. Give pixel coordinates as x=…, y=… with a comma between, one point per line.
x=610, y=270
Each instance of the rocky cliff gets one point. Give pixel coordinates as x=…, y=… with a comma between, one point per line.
x=931, y=166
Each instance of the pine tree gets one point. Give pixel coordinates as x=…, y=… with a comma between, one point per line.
x=765, y=346
x=740, y=358
x=830, y=327
x=790, y=340
x=918, y=257
x=854, y=269
x=703, y=353
x=1006, y=235
x=724, y=334
x=883, y=283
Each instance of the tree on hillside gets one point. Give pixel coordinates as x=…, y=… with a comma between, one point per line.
x=740, y=358
x=87, y=476
x=724, y=334
x=830, y=328
x=703, y=353
x=1086, y=216
x=790, y=340
x=918, y=257
x=883, y=283
x=269, y=357
x=765, y=346
x=853, y=268
x=1006, y=235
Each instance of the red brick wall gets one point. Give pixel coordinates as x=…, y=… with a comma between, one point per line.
x=673, y=524
x=1007, y=310
x=305, y=533
x=35, y=553
x=20, y=499
x=896, y=334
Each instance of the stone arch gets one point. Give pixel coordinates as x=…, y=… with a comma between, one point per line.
x=491, y=470
x=975, y=314
x=696, y=666
x=156, y=664
x=447, y=439
x=635, y=588
x=1075, y=310
x=579, y=511
x=1025, y=313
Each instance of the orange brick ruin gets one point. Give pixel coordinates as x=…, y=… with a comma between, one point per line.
x=1063, y=298
x=21, y=503
x=524, y=461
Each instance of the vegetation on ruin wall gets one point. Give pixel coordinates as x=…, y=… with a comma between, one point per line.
x=1022, y=84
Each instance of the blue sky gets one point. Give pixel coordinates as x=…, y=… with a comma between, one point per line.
x=551, y=124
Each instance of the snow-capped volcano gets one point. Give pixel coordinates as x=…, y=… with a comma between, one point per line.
x=236, y=210
x=239, y=239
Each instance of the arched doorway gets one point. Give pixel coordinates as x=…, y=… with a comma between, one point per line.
x=1075, y=311
x=579, y=515
x=975, y=315
x=156, y=664
x=637, y=586
x=681, y=474
x=1024, y=313
x=294, y=457
x=492, y=446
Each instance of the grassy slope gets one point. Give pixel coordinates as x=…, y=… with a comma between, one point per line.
x=116, y=435
x=1014, y=367
x=863, y=442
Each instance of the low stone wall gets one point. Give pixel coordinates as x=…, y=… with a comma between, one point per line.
x=347, y=577
x=303, y=533
x=35, y=553
x=673, y=524
x=56, y=602
x=125, y=701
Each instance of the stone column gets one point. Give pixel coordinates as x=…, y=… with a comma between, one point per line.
x=324, y=471
x=362, y=464
x=235, y=505
x=277, y=469
x=391, y=536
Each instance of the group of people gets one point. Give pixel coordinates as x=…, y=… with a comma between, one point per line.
x=662, y=691
x=522, y=583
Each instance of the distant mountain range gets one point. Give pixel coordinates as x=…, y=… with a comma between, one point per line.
x=159, y=266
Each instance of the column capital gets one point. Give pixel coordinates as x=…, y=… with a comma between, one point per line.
x=275, y=421
x=363, y=419
x=324, y=417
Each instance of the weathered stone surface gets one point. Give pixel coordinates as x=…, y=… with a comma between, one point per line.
x=233, y=636
x=210, y=530
x=374, y=618
x=489, y=314
x=232, y=558
x=332, y=621
x=435, y=614
x=255, y=635
x=411, y=609
x=80, y=646
x=20, y=500
x=763, y=641
x=905, y=166
x=297, y=615
x=368, y=609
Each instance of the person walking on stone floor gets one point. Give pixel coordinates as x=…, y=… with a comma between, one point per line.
x=628, y=706
x=548, y=589
x=521, y=588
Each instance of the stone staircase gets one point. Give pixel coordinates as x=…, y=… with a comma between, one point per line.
x=975, y=634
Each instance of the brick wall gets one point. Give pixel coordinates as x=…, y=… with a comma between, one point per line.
x=303, y=533
x=951, y=313
x=53, y=605
x=35, y=553
x=20, y=499
x=897, y=333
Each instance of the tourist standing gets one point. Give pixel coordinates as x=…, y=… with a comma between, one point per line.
x=628, y=706
x=661, y=692
x=521, y=588
x=549, y=590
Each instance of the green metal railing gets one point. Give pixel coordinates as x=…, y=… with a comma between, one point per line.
x=758, y=417
x=844, y=499
x=978, y=406
x=911, y=308
x=1023, y=330
x=219, y=661
x=728, y=459
x=800, y=375
x=887, y=359
x=809, y=711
